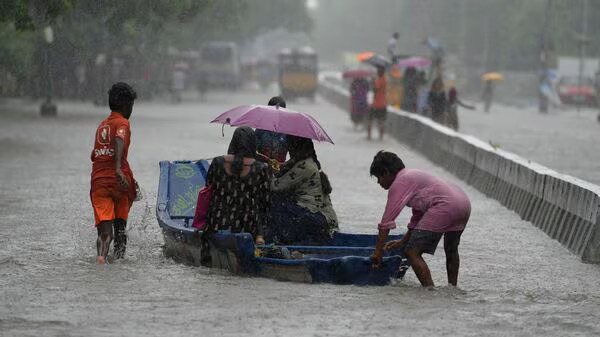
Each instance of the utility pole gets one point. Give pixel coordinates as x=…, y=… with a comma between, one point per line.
x=544, y=59
x=48, y=109
x=583, y=40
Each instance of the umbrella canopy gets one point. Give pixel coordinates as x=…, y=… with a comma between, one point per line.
x=415, y=61
x=276, y=119
x=357, y=73
x=378, y=61
x=492, y=77
x=365, y=56
x=373, y=59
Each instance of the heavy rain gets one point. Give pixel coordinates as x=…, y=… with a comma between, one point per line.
x=215, y=168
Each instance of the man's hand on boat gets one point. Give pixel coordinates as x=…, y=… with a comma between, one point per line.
x=393, y=244
x=377, y=258
x=259, y=240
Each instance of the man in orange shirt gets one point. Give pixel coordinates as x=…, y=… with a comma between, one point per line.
x=379, y=107
x=113, y=188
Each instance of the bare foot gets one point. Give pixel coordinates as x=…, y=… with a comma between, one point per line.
x=101, y=260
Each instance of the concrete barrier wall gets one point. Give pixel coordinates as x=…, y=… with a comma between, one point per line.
x=564, y=207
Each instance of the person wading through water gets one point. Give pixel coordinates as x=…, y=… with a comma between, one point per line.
x=113, y=188
x=439, y=208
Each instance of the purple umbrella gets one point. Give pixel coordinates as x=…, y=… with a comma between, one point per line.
x=274, y=118
x=415, y=61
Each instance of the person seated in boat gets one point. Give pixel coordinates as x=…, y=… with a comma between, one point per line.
x=301, y=210
x=240, y=184
x=271, y=146
x=439, y=208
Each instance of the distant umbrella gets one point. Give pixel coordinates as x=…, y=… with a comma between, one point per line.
x=417, y=62
x=362, y=57
x=374, y=59
x=492, y=77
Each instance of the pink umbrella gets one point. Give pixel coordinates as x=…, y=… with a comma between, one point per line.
x=415, y=61
x=274, y=118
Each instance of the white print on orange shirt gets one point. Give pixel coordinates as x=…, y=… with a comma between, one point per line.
x=103, y=135
x=104, y=152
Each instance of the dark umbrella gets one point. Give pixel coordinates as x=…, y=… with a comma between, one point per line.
x=374, y=59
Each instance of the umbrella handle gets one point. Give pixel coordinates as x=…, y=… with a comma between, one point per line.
x=227, y=121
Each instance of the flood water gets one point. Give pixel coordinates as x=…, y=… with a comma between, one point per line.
x=514, y=280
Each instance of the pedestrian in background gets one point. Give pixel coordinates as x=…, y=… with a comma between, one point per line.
x=488, y=95
x=378, y=109
x=411, y=90
x=453, y=103
x=437, y=101
x=178, y=85
x=359, y=107
x=422, y=91
x=392, y=48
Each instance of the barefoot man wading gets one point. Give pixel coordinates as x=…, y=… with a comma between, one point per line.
x=113, y=187
x=439, y=208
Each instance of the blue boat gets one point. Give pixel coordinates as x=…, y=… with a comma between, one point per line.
x=345, y=260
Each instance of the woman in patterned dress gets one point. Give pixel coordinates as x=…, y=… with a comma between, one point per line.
x=240, y=197
x=301, y=210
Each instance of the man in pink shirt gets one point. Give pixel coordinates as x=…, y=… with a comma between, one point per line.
x=439, y=208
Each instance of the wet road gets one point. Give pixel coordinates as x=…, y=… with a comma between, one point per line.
x=514, y=280
x=564, y=140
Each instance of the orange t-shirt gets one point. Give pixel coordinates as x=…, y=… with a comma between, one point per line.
x=104, y=152
x=379, y=90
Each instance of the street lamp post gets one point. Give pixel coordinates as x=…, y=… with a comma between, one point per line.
x=583, y=40
x=48, y=109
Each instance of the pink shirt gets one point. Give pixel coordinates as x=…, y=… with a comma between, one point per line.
x=437, y=205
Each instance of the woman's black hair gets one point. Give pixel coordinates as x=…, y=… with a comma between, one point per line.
x=242, y=145
x=436, y=81
x=277, y=100
x=385, y=161
x=301, y=148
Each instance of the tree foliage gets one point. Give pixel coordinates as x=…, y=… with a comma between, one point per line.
x=84, y=29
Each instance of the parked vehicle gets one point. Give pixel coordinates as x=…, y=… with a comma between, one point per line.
x=571, y=91
x=220, y=65
x=298, y=70
x=344, y=260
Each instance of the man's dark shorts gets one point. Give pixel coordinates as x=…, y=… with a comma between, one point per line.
x=427, y=241
x=375, y=113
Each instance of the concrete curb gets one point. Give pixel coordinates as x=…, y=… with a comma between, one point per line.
x=564, y=207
